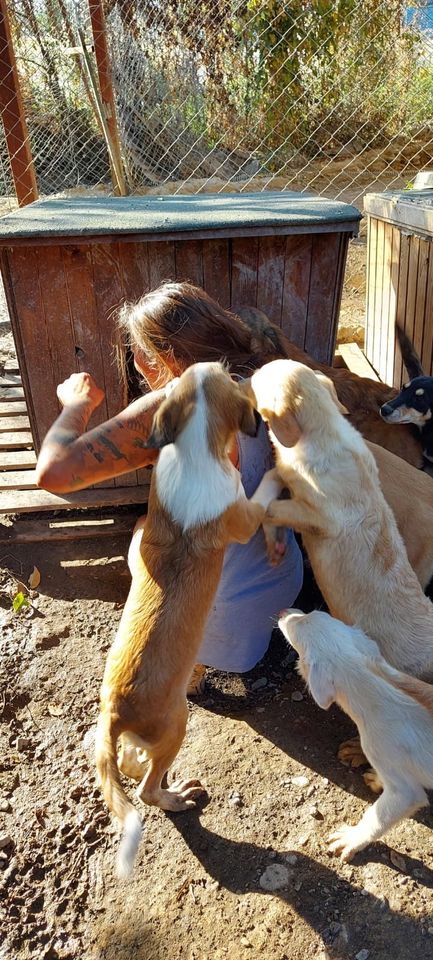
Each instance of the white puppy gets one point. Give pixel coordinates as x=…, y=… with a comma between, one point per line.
x=393, y=712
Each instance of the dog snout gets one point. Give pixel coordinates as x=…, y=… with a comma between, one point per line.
x=386, y=410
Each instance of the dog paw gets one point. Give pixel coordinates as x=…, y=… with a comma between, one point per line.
x=350, y=753
x=345, y=842
x=180, y=795
x=372, y=780
x=276, y=543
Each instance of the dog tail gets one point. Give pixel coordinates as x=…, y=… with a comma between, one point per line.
x=409, y=355
x=114, y=794
x=265, y=337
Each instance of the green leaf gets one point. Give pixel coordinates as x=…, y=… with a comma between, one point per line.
x=19, y=601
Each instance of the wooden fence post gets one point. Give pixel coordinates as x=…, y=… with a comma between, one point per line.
x=106, y=87
x=12, y=112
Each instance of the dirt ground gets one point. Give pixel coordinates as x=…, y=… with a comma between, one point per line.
x=247, y=874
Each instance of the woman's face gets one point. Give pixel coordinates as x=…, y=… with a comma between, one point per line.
x=156, y=373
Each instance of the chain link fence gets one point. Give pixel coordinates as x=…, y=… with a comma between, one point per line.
x=223, y=95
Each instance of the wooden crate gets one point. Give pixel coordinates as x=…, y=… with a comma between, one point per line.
x=399, y=279
x=67, y=265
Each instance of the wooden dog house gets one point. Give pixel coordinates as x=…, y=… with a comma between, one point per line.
x=399, y=279
x=67, y=264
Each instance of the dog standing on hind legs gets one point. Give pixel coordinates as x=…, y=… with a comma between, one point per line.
x=197, y=506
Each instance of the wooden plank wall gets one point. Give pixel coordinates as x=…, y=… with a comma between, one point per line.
x=399, y=289
x=63, y=301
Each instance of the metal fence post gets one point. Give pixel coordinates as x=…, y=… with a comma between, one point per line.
x=12, y=112
x=106, y=87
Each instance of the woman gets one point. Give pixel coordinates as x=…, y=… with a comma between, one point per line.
x=169, y=329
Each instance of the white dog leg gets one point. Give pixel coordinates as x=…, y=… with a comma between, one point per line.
x=395, y=803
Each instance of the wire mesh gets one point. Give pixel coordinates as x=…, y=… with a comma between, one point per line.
x=223, y=95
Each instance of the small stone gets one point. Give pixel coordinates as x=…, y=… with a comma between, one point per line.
x=303, y=840
x=275, y=877
x=310, y=790
x=297, y=885
x=291, y=858
x=259, y=684
x=297, y=695
x=22, y=743
x=299, y=781
x=236, y=801
x=430, y=930
x=419, y=874
x=49, y=634
x=5, y=806
x=315, y=812
x=362, y=955
x=5, y=841
x=398, y=861
x=245, y=942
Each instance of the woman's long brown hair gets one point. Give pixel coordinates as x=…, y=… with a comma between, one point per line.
x=182, y=322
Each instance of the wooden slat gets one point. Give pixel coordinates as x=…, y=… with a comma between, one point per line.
x=10, y=380
x=14, y=423
x=296, y=286
x=18, y=480
x=399, y=372
x=16, y=459
x=393, y=294
x=77, y=262
x=32, y=340
x=370, y=281
x=427, y=347
x=421, y=295
x=412, y=283
x=270, y=277
x=385, y=320
x=57, y=313
x=37, y=531
x=16, y=441
x=324, y=270
x=11, y=393
x=162, y=264
x=109, y=294
x=356, y=361
x=11, y=365
x=189, y=261
x=244, y=272
x=378, y=291
x=216, y=270
x=28, y=501
x=12, y=408
x=134, y=265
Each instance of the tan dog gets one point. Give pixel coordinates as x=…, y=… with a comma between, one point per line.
x=393, y=712
x=349, y=531
x=409, y=493
x=197, y=506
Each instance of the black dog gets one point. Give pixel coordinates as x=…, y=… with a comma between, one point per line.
x=414, y=403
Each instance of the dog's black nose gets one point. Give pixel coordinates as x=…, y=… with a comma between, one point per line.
x=386, y=410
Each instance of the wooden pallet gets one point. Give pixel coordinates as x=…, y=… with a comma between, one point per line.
x=18, y=490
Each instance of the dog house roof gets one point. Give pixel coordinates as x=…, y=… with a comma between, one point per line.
x=204, y=215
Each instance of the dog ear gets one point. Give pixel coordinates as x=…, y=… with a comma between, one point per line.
x=167, y=422
x=321, y=684
x=249, y=419
x=330, y=387
x=285, y=429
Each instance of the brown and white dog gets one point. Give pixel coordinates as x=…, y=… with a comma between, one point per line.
x=393, y=712
x=357, y=554
x=197, y=506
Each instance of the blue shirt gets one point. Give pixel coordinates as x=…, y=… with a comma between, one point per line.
x=251, y=592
